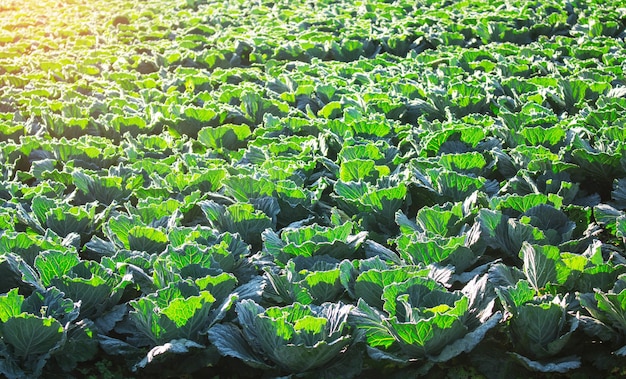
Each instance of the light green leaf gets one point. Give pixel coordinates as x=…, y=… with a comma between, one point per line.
x=540, y=264
x=10, y=305
x=148, y=239
x=55, y=264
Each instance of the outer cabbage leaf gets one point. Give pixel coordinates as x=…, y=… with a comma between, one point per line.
x=453, y=186
x=196, y=179
x=29, y=335
x=440, y=220
x=361, y=169
x=607, y=216
x=220, y=286
x=199, y=234
x=97, y=287
x=540, y=265
x=189, y=120
x=513, y=205
x=562, y=365
x=146, y=238
x=80, y=346
x=183, y=356
x=472, y=163
x=546, y=268
x=229, y=340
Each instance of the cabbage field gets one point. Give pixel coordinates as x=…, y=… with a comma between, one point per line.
x=312, y=189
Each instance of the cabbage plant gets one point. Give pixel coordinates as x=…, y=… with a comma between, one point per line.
x=40, y=329
x=62, y=217
x=314, y=240
x=608, y=312
x=173, y=322
x=539, y=327
x=316, y=284
x=421, y=320
x=294, y=339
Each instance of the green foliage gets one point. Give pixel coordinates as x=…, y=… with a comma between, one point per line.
x=315, y=189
